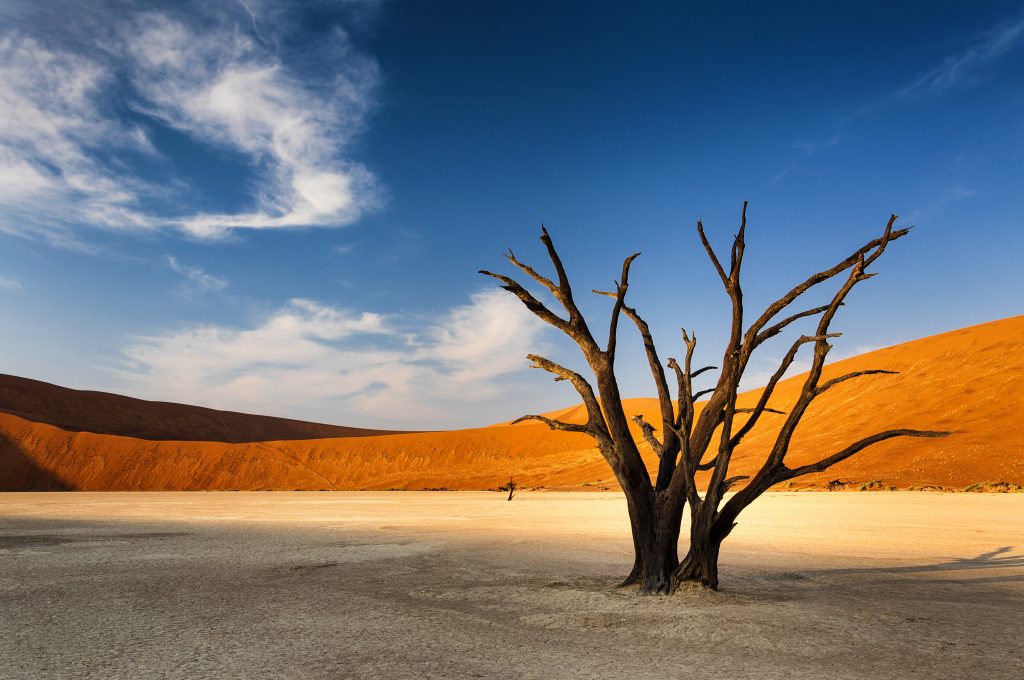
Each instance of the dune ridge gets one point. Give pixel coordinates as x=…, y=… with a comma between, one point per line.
x=105, y=413
x=968, y=381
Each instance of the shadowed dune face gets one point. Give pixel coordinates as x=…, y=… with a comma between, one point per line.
x=22, y=473
x=968, y=381
x=102, y=413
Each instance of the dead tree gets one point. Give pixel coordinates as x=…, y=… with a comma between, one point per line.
x=691, y=443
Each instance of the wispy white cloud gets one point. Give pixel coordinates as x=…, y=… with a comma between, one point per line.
x=197, y=280
x=52, y=130
x=69, y=149
x=952, y=194
x=308, y=360
x=7, y=283
x=805, y=150
x=226, y=89
x=967, y=68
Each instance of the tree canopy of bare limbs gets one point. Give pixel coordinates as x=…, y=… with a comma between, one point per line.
x=687, y=443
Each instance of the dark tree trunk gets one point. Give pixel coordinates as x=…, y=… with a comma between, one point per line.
x=654, y=520
x=701, y=562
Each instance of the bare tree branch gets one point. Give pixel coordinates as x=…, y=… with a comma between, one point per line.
x=654, y=363
x=699, y=371
x=738, y=244
x=532, y=303
x=798, y=290
x=850, y=376
x=722, y=405
x=769, y=389
x=648, y=432
x=711, y=254
x=533, y=273
x=620, y=299
x=821, y=348
x=826, y=463
x=563, y=280
x=728, y=483
x=555, y=424
x=583, y=387
x=777, y=328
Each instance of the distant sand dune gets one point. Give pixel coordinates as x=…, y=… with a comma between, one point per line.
x=104, y=413
x=970, y=381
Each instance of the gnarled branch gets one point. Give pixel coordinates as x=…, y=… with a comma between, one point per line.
x=532, y=303
x=533, y=273
x=769, y=389
x=620, y=300
x=772, y=331
x=728, y=483
x=699, y=371
x=773, y=309
x=829, y=461
x=555, y=424
x=648, y=432
x=850, y=376
x=711, y=254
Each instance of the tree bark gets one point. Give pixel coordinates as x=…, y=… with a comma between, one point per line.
x=700, y=565
x=701, y=562
x=655, y=523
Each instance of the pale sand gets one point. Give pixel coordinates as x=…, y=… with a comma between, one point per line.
x=438, y=585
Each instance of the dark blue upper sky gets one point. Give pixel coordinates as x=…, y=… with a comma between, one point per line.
x=282, y=208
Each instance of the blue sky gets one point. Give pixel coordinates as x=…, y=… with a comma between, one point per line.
x=281, y=208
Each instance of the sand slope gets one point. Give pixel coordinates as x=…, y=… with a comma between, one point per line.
x=103, y=413
x=970, y=381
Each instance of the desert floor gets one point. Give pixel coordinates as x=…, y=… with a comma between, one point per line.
x=462, y=585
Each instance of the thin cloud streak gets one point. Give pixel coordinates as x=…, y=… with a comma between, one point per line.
x=198, y=281
x=956, y=72
x=966, y=68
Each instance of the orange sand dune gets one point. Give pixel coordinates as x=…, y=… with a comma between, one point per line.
x=969, y=381
x=103, y=413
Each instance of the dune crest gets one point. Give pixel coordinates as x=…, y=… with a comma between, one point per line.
x=105, y=413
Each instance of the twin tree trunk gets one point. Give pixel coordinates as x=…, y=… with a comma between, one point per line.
x=656, y=525
x=691, y=443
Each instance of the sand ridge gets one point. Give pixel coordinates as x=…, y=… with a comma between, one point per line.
x=105, y=413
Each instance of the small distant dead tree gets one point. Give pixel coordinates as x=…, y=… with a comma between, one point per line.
x=688, y=443
x=511, y=487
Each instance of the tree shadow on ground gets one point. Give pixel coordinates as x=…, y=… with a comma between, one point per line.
x=1000, y=558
